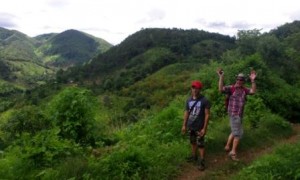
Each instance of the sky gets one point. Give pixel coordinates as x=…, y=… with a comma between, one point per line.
x=114, y=20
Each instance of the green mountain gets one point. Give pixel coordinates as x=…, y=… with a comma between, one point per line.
x=19, y=64
x=147, y=51
x=26, y=62
x=69, y=48
x=16, y=46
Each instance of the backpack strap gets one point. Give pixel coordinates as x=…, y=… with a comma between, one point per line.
x=190, y=110
x=232, y=89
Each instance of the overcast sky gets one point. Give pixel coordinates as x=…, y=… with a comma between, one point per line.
x=114, y=20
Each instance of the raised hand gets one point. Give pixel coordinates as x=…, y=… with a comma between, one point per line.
x=220, y=72
x=252, y=75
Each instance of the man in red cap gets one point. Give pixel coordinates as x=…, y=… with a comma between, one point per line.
x=195, y=119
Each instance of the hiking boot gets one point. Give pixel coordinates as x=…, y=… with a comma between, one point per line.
x=191, y=158
x=201, y=165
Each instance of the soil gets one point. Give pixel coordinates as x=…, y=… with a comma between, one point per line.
x=220, y=166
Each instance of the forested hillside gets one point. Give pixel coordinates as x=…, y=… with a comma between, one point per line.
x=120, y=115
x=147, y=51
x=27, y=62
x=70, y=48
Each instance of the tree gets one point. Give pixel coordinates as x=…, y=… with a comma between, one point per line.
x=73, y=111
x=247, y=41
x=270, y=49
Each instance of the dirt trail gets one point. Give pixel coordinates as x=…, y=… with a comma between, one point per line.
x=217, y=161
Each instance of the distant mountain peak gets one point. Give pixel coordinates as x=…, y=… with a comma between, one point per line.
x=46, y=52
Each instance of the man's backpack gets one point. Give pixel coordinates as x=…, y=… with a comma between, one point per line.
x=227, y=97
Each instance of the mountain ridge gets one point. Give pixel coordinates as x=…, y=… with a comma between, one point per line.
x=46, y=52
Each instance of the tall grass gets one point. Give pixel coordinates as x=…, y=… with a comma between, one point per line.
x=284, y=163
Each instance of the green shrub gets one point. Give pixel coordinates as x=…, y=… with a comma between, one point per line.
x=130, y=163
x=29, y=119
x=284, y=163
x=73, y=111
x=30, y=153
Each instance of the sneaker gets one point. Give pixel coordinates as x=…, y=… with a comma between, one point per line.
x=191, y=158
x=201, y=165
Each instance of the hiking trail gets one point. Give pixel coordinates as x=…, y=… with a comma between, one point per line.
x=215, y=162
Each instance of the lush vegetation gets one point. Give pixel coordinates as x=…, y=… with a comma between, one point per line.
x=122, y=115
x=157, y=47
x=30, y=62
x=282, y=164
x=58, y=52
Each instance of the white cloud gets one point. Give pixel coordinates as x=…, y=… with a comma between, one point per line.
x=114, y=20
x=7, y=20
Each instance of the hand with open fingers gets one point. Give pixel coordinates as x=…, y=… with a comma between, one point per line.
x=252, y=75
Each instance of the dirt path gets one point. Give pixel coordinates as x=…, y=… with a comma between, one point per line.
x=216, y=163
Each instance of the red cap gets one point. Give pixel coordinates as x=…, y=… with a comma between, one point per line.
x=197, y=84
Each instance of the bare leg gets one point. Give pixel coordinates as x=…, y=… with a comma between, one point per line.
x=229, y=141
x=194, y=149
x=235, y=144
x=201, y=153
x=201, y=163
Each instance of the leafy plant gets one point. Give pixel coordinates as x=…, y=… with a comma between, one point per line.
x=282, y=164
x=29, y=119
x=73, y=111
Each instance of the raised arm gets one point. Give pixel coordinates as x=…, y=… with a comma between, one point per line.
x=253, y=84
x=220, y=72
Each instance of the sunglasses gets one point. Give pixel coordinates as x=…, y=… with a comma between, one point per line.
x=240, y=80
